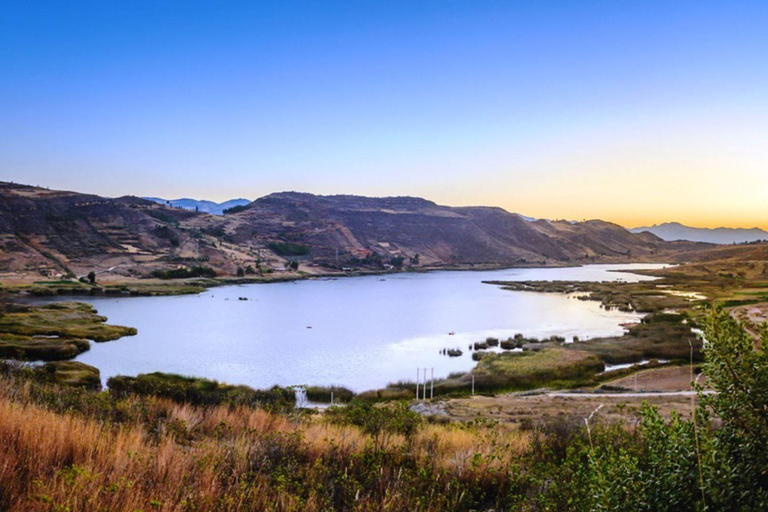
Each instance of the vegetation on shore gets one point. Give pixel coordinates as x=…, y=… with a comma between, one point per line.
x=75, y=449
x=553, y=367
x=198, y=391
x=644, y=296
x=322, y=394
x=71, y=373
x=658, y=336
x=54, y=331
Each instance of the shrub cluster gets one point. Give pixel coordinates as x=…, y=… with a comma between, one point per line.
x=184, y=273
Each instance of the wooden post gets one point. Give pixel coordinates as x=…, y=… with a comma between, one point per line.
x=417, y=383
x=331, y=397
x=473, y=383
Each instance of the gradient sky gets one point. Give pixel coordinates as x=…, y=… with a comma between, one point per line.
x=635, y=112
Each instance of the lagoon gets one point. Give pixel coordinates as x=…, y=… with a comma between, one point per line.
x=359, y=332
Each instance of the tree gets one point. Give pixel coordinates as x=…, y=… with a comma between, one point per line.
x=737, y=368
x=240, y=272
x=697, y=464
x=92, y=277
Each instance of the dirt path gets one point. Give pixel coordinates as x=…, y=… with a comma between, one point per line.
x=667, y=388
x=670, y=378
x=537, y=408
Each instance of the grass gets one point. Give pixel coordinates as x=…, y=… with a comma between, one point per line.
x=533, y=369
x=547, y=366
x=199, y=391
x=71, y=373
x=54, y=331
x=658, y=336
x=28, y=348
x=65, y=319
x=88, y=451
x=322, y=394
x=644, y=297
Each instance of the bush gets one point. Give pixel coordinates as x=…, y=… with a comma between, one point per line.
x=681, y=464
x=198, y=391
x=185, y=273
x=323, y=394
x=289, y=249
x=377, y=421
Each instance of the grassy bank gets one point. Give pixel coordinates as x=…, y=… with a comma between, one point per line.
x=198, y=391
x=54, y=331
x=658, y=336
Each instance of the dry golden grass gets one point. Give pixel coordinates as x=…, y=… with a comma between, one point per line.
x=172, y=457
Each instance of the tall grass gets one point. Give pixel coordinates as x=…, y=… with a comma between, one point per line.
x=86, y=451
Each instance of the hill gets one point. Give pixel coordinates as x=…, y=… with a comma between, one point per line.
x=671, y=231
x=57, y=233
x=394, y=227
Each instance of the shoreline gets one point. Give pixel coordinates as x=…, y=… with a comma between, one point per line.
x=153, y=287
x=241, y=281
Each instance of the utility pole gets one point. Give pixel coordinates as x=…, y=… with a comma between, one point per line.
x=473, y=384
x=417, y=383
x=432, y=384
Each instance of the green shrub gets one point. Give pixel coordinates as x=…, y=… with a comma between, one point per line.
x=323, y=394
x=185, y=273
x=199, y=391
x=289, y=249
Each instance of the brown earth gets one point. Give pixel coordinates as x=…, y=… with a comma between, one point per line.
x=517, y=407
x=47, y=234
x=540, y=408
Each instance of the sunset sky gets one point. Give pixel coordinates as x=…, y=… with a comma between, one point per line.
x=633, y=112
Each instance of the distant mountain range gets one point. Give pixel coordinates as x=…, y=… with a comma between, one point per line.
x=671, y=231
x=200, y=205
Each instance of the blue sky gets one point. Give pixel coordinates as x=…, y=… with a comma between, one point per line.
x=635, y=112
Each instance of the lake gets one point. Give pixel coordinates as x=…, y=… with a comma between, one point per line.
x=359, y=332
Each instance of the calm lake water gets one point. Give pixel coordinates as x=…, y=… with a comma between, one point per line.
x=365, y=331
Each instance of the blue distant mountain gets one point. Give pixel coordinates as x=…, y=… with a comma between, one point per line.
x=200, y=205
x=671, y=231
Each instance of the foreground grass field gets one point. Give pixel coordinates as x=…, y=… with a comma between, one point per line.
x=79, y=450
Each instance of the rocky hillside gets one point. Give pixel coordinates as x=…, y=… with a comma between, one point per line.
x=354, y=227
x=54, y=233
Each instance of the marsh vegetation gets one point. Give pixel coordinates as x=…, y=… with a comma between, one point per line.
x=53, y=332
